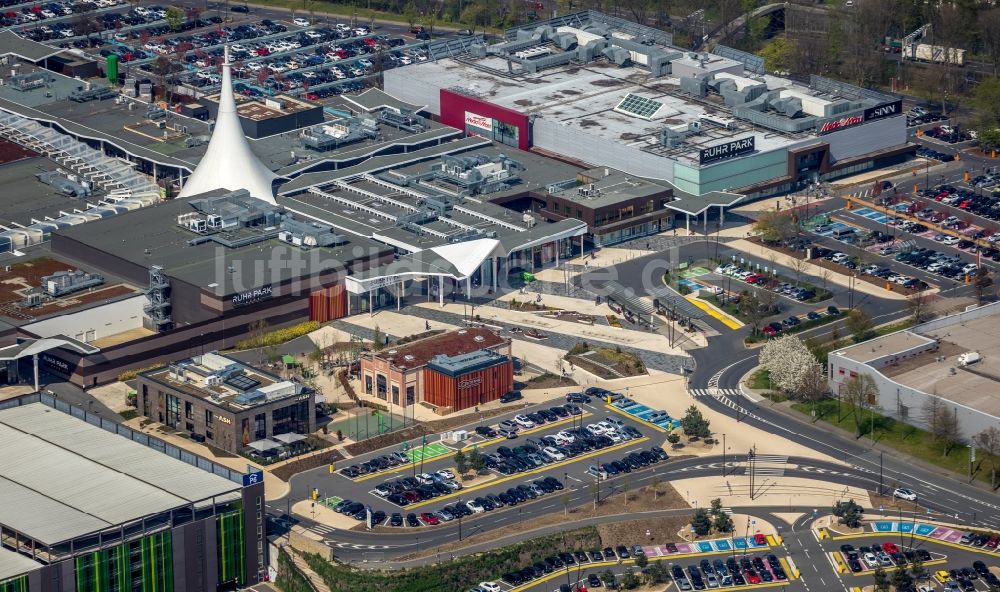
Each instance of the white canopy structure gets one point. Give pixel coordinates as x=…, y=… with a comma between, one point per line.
x=229, y=163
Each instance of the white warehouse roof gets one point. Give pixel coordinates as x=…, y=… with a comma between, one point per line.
x=61, y=477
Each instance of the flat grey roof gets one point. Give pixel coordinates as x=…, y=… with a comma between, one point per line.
x=61, y=477
x=13, y=44
x=616, y=187
x=26, y=198
x=14, y=564
x=373, y=99
x=127, y=236
x=381, y=163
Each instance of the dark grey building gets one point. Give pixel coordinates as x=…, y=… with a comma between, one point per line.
x=227, y=403
x=90, y=505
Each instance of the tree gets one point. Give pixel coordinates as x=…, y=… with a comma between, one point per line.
x=813, y=386
x=461, y=463
x=630, y=581
x=981, y=282
x=778, y=54
x=694, y=423
x=723, y=523
x=340, y=436
x=700, y=522
x=860, y=392
x=788, y=361
x=378, y=339
x=881, y=579
x=641, y=560
x=175, y=17
x=715, y=506
x=774, y=227
x=673, y=438
x=917, y=569
x=918, y=305
x=986, y=99
x=901, y=579
x=750, y=307
x=656, y=573
x=564, y=498
x=607, y=577
x=988, y=442
x=849, y=513
x=655, y=484
x=860, y=324
x=942, y=422
x=476, y=461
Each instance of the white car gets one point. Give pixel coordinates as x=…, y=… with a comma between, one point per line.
x=905, y=494
x=570, y=438
x=870, y=559
x=424, y=478
x=552, y=453
x=489, y=586
x=475, y=507
x=970, y=268
x=524, y=422
x=446, y=474
x=301, y=22
x=950, y=240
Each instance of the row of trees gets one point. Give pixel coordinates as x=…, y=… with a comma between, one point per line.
x=715, y=519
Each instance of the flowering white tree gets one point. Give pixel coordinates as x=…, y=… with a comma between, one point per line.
x=789, y=362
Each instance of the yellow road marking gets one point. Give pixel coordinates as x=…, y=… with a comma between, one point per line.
x=716, y=313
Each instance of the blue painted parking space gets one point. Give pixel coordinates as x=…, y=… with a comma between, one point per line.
x=741, y=543
x=705, y=547
x=646, y=414
x=906, y=527
x=884, y=526
x=872, y=215
x=723, y=546
x=925, y=529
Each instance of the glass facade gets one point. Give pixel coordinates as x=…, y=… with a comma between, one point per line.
x=18, y=584
x=146, y=565
x=231, y=550
x=173, y=411
x=291, y=419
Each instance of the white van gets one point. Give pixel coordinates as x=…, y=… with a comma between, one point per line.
x=969, y=358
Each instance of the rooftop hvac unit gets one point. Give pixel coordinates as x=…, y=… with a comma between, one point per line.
x=198, y=225
x=213, y=380
x=214, y=221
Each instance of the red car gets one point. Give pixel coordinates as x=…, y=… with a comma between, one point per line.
x=312, y=96
x=769, y=331
x=992, y=543
x=431, y=519
x=760, y=539
x=263, y=51
x=751, y=576
x=890, y=548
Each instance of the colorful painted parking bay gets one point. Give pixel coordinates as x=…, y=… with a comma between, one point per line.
x=931, y=531
x=651, y=416
x=432, y=450
x=713, y=546
x=692, y=272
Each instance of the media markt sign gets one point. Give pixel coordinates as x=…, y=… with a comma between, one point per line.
x=837, y=124
x=252, y=296
x=479, y=122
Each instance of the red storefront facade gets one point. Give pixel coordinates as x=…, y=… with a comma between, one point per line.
x=482, y=118
x=470, y=389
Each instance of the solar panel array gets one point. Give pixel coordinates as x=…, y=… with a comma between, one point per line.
x=638, y=106
x=242, y=382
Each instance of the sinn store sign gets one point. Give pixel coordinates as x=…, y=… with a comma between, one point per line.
x=478, y=121
x=727, y=150
x=470, y=383
x=887, y=110
x=252, y=296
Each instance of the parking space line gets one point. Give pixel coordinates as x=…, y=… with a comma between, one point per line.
x=636, y=418
x=539, y=470
x=979, y=550
x=533, y=430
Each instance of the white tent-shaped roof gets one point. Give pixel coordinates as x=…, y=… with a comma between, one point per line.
x=467, y=256
x=229, y=163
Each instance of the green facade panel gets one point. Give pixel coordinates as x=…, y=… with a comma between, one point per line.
x=231, y=548
x=148, y=560
x=18, y=584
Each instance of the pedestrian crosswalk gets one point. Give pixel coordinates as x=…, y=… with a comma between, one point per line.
x=768, y=464
x=715, y=392
x=321, y=529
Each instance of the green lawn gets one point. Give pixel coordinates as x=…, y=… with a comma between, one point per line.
x=761, y=379
x=900, y=436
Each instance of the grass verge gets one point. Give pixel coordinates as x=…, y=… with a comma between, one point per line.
x=900, y=436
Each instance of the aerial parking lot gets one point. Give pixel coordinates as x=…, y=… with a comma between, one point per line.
x=545, y=449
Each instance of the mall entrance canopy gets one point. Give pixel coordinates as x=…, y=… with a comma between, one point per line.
x=460, y=261
x=33, y=347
